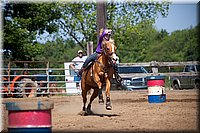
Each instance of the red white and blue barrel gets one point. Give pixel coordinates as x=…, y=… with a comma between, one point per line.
x=29, y=117
x=156, y=89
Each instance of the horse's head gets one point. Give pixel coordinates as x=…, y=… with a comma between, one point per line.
x=109, y=49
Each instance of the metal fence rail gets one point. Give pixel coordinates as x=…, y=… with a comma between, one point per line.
x=38, y=77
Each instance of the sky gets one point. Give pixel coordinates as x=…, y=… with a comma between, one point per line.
x=181, y=16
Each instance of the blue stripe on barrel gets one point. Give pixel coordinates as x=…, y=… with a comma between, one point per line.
x=29, y=130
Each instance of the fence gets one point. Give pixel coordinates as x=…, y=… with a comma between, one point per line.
x=22, y=78
x=164, y=68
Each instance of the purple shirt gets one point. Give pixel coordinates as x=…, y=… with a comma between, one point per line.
x=99, y=47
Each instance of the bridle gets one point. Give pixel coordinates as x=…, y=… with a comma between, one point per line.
x=110, y=52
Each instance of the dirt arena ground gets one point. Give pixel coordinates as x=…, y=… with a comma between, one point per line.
x=131, y=113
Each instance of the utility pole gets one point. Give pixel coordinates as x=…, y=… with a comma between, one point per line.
x=101, y=15
x=89, y=48
x=101, y=23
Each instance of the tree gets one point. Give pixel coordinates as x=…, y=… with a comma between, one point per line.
x=181, y=45
x=21, y=24
x=135, y=41
x=79, y=19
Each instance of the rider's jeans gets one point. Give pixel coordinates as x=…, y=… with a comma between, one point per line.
x=91, y=58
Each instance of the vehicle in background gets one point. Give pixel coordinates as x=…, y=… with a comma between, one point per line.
x=187, y=82
x=131, y=82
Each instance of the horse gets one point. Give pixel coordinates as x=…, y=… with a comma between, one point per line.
x=100, y=73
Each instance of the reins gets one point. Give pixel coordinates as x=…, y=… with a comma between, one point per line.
x=109, y=60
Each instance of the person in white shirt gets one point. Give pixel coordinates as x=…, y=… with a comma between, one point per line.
x=78, y=61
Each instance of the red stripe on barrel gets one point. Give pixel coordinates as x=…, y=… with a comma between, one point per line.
x=156, y=82
x=33, y=118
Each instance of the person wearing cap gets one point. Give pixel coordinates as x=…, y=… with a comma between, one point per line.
x=78, y=61
x=104, y=35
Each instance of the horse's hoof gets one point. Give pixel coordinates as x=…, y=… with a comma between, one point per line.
x=83, y=113
x=89, y=112
x=101, y=101
x=108, y=107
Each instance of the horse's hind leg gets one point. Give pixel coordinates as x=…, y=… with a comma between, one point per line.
x=84, y=88
x=94, y=95
x=84, y=96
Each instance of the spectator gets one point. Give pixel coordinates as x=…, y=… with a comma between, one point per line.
x=78, y=62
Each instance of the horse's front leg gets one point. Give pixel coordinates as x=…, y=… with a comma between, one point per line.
x=108, y=103
x=98, y=80
x=101, y=101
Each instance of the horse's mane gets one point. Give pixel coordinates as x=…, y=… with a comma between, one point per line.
x=111, y=40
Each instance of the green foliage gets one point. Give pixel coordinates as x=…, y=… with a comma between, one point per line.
x=79, y=22
x=131, y=13
x=135, y=41
x=79, y=19
x=21, y=24
x=74, y=24
x=179, y=46
x=58, y=50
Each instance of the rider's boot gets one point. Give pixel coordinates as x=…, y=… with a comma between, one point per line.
x=117, y=77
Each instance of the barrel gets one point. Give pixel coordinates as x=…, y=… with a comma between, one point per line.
x=29, y=117
x=156, y=89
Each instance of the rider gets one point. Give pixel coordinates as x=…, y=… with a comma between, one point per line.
x=104, y=36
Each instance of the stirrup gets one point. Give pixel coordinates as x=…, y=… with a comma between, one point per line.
x=118, y=78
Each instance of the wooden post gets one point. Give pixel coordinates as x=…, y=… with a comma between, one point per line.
x=89, y=48
x=47, y=73
x=154, y=67
x=101, y=15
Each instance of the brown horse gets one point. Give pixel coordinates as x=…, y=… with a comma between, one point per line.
x=101, y=72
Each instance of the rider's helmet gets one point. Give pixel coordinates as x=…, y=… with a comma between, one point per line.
x=106, y=34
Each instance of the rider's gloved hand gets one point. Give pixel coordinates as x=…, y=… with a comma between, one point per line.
x=108, y=31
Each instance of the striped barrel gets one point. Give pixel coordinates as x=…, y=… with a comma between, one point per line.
x=29, y=117
x=156, y=89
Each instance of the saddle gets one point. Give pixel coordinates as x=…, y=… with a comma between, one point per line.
x=89, y=66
